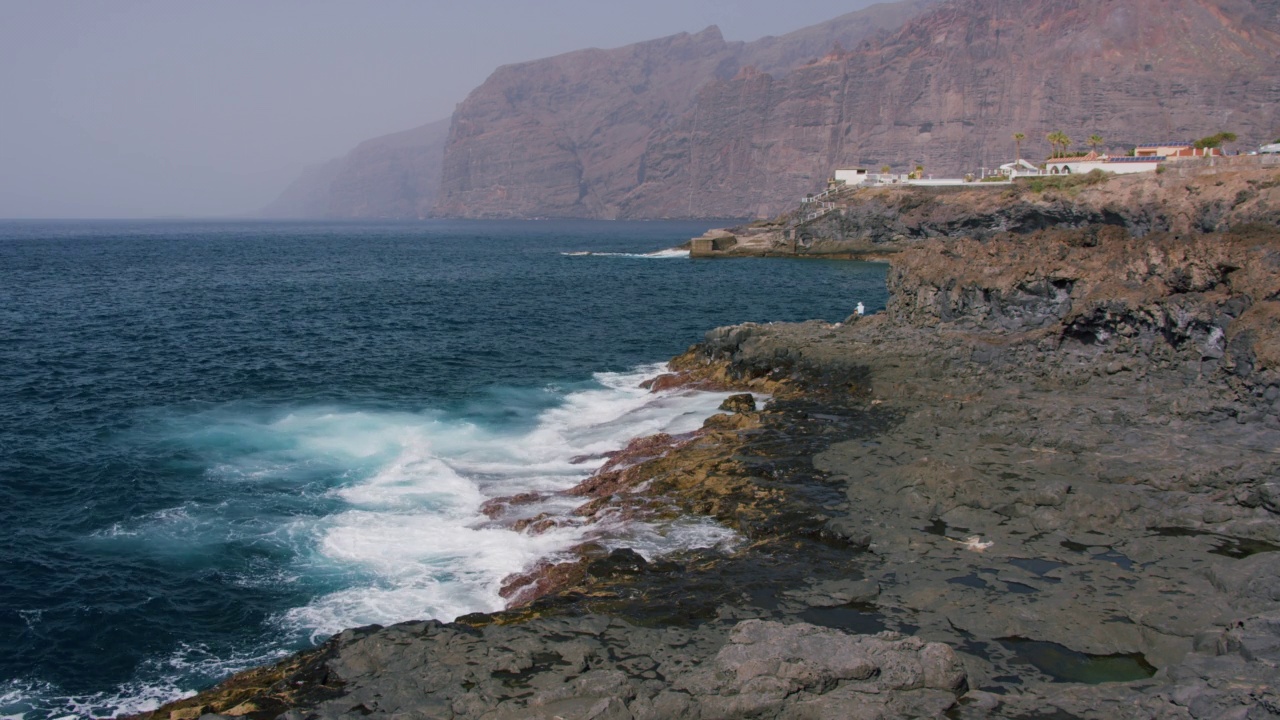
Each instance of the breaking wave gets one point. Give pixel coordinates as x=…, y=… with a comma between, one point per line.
x=375, y=516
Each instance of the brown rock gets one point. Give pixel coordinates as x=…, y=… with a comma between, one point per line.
x=244, y=708
x=575, y=135
x=496, y=507
x=687, y=127
x=742, y=402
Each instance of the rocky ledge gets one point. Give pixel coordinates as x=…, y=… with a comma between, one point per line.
x=1044, y=483
x=1190, y=197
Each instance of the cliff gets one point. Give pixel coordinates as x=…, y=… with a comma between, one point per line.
x=692, y=126
x=574, y=135
x=393, y=176
x=307, y=196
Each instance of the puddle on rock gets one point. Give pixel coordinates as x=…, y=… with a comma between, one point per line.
x=1109, y=555
x=971, y=580
x=1066, y=665
x=1018, y=588
x=1230, y=546
x=1038, y=567
x=1115, y=558
x=857, y=618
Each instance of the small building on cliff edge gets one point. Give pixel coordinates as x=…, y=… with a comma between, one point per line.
x=1093, y=161
x=1174, y=150
x=1145, y=158
x=855, y=176
x=1021, y=168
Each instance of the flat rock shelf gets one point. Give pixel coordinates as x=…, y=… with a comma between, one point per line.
x=1041, y=489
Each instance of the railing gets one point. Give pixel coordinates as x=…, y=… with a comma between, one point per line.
x=826, y=209
x=829, y=192
x=1232, y=161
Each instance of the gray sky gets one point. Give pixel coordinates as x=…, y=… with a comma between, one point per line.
x=142, y=108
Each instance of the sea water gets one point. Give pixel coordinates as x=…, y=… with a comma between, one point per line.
x=221, y=442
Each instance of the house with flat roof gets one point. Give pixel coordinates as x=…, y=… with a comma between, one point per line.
x=1174, y=150
x=854, y=176
x=1021, y=168
x=1093, y=161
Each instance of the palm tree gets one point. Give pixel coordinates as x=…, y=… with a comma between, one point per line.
x=1094, y=141
x=1055, y=139
x=885, y=169
x=1017, y=146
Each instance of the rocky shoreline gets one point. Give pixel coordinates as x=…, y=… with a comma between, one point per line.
x=1190, y=197
x=1044, y=483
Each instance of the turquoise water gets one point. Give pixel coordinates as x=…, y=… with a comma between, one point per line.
x=221, y=442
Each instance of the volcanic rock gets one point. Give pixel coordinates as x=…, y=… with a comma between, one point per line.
x=692, y=126
x=1040, y=484
x=743, y=402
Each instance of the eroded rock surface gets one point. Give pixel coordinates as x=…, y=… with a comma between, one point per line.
x=1042, y=484
x=1190, y=197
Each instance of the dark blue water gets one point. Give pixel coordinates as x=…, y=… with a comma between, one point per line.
x=220, y=442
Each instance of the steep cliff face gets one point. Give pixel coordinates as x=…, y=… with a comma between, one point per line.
x=307, y=196
x=393, y=176
x=563, y=136
x=946, y=90
x=574, y=135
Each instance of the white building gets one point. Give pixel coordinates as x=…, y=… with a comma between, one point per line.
x=1174, y=150
x=860, y=176
x=1094, y=161
x=856, y=176
x=1021, y=168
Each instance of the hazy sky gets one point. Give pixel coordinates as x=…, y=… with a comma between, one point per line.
x=141, y=108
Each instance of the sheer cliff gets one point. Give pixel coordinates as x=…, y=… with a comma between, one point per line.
x=692, y=126
x=574, y=135
x=393, y=176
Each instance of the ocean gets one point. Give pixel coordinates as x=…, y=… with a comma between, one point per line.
x=221, y=442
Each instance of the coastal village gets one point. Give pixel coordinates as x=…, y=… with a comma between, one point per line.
x=789, y=234
x=1148, y=157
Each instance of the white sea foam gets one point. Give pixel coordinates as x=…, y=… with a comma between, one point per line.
x=24, y=697
x=412, y=530
x=653, y=541
x=668, y=254
x=388, y=524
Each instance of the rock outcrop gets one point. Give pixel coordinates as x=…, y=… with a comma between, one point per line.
x=692, y=126
x=1188, y=198
x=1042, y=483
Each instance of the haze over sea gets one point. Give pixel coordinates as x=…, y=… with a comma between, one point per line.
x=224, y=441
